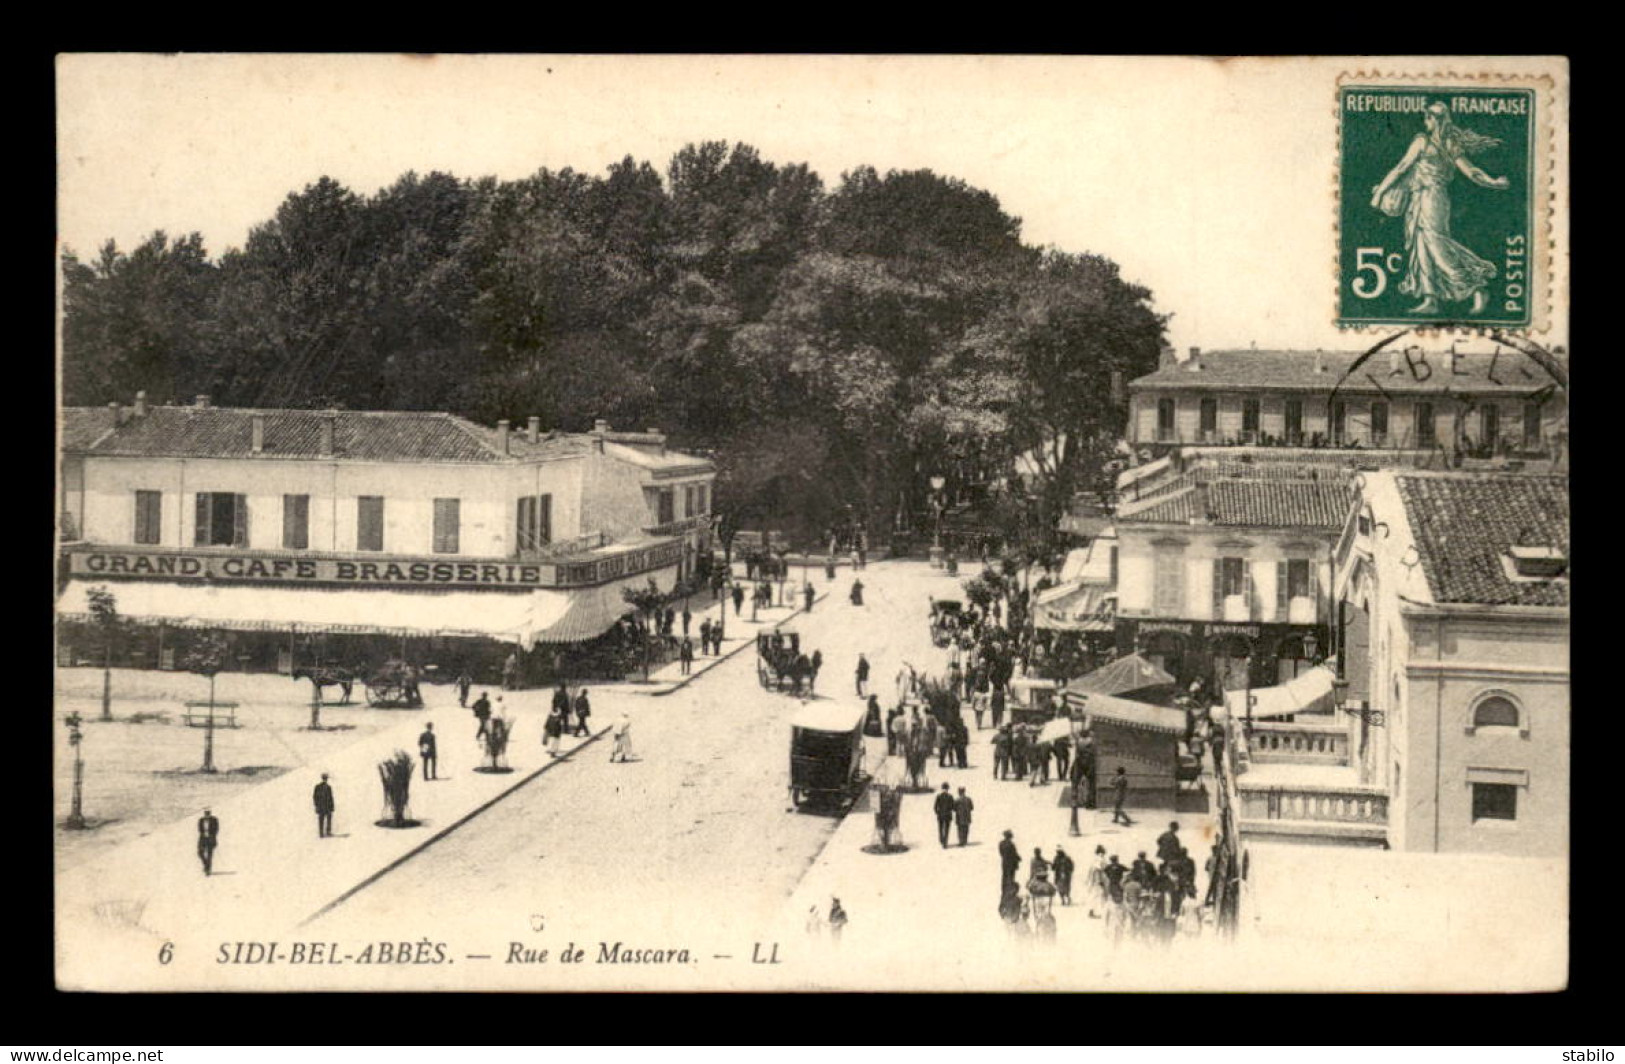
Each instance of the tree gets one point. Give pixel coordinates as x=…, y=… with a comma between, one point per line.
x=104, y=613
x=206, y=657
x=396, y=776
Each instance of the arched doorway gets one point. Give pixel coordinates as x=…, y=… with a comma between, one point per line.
x=1168, y=651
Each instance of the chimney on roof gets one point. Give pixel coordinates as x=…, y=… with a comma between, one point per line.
x=535, y=425
x=113, y=408
x=203, y=402
x=502, y=435
x=1320, y=361
x=600, y=426
x=1166, y=356
x=259, y=433
x=140, y=409
x=329, y=423
x=1196, y=353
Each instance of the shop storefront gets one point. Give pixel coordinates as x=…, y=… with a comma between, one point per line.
x=1225, y=656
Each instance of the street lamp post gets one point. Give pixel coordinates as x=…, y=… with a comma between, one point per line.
x=937, y=483
x=76, y=817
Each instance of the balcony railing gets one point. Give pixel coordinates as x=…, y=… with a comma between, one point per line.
x=1330, y=805
x=1303, y=744
x=679, y=527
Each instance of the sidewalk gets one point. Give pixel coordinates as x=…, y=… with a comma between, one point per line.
x=270, y=861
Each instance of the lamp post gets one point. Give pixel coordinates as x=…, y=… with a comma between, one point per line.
x=76, y=817
x=937, y=483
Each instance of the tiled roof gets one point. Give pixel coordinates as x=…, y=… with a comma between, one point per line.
x=1207, y=469
x=669, y=460
x=1465, y=523
x=84, y=425
x=1318, y=504
x=223, y=432
x=1513, y=373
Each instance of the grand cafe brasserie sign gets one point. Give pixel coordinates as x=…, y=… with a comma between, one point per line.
x=244, y=567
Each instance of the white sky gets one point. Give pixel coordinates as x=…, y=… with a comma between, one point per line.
x=1212, y=183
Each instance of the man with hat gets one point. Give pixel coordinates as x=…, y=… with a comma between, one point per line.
x=1168, y=843
x=962, y=814
x=1119, y=796
x=944, y=808
x=208, y=837
x=1064, y=868
x=322, y=796
x=1009, y=858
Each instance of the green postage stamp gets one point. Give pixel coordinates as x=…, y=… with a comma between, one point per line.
x=1444, y=198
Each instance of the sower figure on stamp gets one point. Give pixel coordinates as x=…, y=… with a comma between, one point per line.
x=208, y=837
x=322, y=798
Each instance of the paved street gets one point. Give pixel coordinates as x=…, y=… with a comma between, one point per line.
x=698, y=834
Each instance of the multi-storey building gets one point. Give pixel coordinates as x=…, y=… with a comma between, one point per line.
x=288, y=521
x=1453, y=624
x=1454, y=404
x=1224, y=569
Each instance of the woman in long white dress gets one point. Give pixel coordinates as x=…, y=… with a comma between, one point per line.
x=1437, y=266
x=623, y=739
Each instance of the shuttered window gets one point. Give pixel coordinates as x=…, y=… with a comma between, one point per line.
x=1491, y=418
x=295, y=522
x=1209, y=418
x=667, y=505
x=535, y=529
x=1249, y=416
x=369, y=522
x=1379, y=423
x=1168, y=578
x=1425, y=436
x=1531, y=423
x=447, y=514
x=1165, y=419
x=149, y=516
x=221, y=520
x=1294, y=420
x=1340, y=413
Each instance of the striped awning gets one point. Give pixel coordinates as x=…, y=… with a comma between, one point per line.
x=1079, y=608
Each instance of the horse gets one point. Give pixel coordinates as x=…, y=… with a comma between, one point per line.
x=324, y=676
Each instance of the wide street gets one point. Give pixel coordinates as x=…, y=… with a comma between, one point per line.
x=695, y=843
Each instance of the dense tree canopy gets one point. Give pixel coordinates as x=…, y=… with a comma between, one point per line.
x=832, y=348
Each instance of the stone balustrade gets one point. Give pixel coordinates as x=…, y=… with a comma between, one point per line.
x=1333, y=805
x=1303, y=744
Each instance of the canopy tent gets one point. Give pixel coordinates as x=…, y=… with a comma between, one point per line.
x=1309, y=692
x=1137, y=737
x=1129, y=673
x=1124, y=712
x=1077, y=607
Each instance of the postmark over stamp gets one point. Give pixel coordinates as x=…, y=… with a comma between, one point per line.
x=1443, y=202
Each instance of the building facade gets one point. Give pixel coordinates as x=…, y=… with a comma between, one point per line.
x=393, y=522
x=1453, y=622
x=1485, y=404
x=1224, y=574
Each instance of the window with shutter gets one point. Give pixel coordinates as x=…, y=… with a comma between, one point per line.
x=1218, y=589
x=1247, y=590
x=447, y=513
x=544, y=520
x=295, y=522
x=1169, y=582
x=369, y=525
x=1281, y=591
x=200, y=531
x=148, y=516
x=239, y=520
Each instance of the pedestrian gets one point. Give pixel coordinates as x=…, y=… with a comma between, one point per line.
x=668, y=621
x=561, y=700
x=426, y=751
x=1142, y=869
x=1064, y=868
x=963, y=807
x=739, y=599
x=1099, y=889
x=482, y=713
x=1062, y=748
x=1119, y=796
x=322, y=797
x=961, y=740
x=1001, y=754
x=945, y=814
x=1041, y=894
x=553, y=732
x=1010, y=907
x=583, y=712
x=1009, y=858
x=1115, y=873
x=892, y=716
x=857, y=592
x=705, y=636
x=464, y=682
x=996, y=703
x=1039, y=864
x=863, y=675
x=687, y=617
x=837, y=920
x=807, y=596
x=816, y=662
x=1168, y=844
x=978, y=705
x=208, y=837
x=623, y=740
x=685, y=654
x=829, y=566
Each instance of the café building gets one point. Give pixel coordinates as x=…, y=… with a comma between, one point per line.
x=362, y=535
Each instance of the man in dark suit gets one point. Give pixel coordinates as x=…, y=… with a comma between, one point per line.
x=1119, y=796
x=963, y=807
x=1009, y=857
x=322, y=797
x=482, y=713
x=945, y=815
x=1168, y=844
x=426, y=751
x=208, y=837
x=583, y=713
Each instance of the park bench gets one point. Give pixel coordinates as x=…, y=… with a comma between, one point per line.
x=197, y=715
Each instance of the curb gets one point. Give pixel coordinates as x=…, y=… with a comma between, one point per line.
x=447, y=830
x=743, y=643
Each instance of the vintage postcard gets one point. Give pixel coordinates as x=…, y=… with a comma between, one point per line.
x=720, y=523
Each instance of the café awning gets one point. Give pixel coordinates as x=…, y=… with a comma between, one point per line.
x=1125, y=712
x=1310, y=692
x=504, y=616
x=1078, y=608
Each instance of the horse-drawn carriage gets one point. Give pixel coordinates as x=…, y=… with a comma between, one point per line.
x=780, y=662
x=325, y=676
x=947, y=619
x=394, y=685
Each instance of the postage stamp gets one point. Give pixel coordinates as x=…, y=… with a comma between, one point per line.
x=1443, y=196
